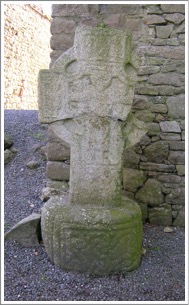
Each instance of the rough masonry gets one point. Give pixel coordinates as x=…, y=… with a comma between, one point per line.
x=154, y=169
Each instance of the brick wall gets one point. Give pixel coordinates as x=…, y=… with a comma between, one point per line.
x=26, y=51
x=154, y=169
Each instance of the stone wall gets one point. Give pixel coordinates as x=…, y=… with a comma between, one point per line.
x=26, y=51
x=154, y=169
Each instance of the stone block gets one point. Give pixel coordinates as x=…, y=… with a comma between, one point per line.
x=59, y=25
x=126, y=9
x=170, y=78
x=145, y=115
x=8, y=155
x=177, y=157
x=150, y=193
x=168, y=178
x=154, y=19
x=157, y=152
x=183, y=135
x=177, y=145
x=173, y=8
x=63, y=10
x=58, y=152
x=61, y=41
x=170, y=136
x=133, y=179
x=180, y=170
x=161, y=215
x=134, y=24
x=146, y=90
x=157, y=167
x=164, y=31
x=130, y=158
x=167, y=52
x=93, y=240
x=58, y=170
x=141, y=102
x=145, y=70
x=176, y=18
x=159, y=108
x=176, y=106
x=26, y=232
x=166, y=90
x=56, y=184
x=153, y=128
x=180, y=219
x=170, y=126
x=177, y=195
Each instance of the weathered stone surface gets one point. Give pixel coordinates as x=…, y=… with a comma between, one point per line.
x=176, y=106
x=161, y=215
x=8, y=142
x=127, y=9
x=169, y=178
x=58, y=152
x=164, y=31
x=169, y=136
x=173, y=8
x=170, y=126
x=177, y=195
x=153, y=128
x=32, y=164
x=154, y=19
x=160, y=108
x=27, y=232
x=96, y=235
x=145, y=70
x=8, y=155
x=61, y=41
x=177, y=157
x=157, y=152
x=180, y=170
x=145, y=115
x=167, y=52
x=133, y=179
x=69, y=10
x=170, y=78
x=183, y=135
x=140, y=102
x=180, y=219
x=130, y=158
x=58, y=170
x=177, y=145
x=56, y=184
x=165, y=90
x=145, y=140
x=151, y=193
x=59, y=25
x=146, y=90
x=176, y=18
x=157, y=167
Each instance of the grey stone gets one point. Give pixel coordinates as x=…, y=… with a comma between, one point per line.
x=133, y=179
x=60, y=10
x=32, y=164
x=157, y=152
x=8, y=155
x=161, y=215
x=183, y=135
x=180, y=170
x=170, y=126
x=167, y=52
x=164, y=31
x=169, y=78
x=177, y=145
x=153, y=128
x=165, y=90
x=145, y=140
x=173, y=8
x=59, y=25
x=61, y=41
x=8, y=141
x=145, y=115
x=146, y=90
x=176, y=106
x=177, y=195
x=58, y=152
x=177, y=157
x=145, y=70
x=168, y=136
x=58, y=170
x=88, y=233
x=130, y=158
x=56, y=184
x=26, y=232
x=92, y=88
x=150, y=193
x=140, y=102
x=160, y=108
x=154, y=19
x=157, y=167
x=169, y=178
x=176, y=18
x=180, y=219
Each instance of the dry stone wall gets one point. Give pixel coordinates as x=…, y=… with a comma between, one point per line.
x=26, y=51
x=154, y=169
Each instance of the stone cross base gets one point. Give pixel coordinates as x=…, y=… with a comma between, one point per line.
x=92, y=239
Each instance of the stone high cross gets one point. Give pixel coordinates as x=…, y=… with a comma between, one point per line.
x=86, y=98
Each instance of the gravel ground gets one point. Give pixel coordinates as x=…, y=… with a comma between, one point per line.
x=30, y=276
